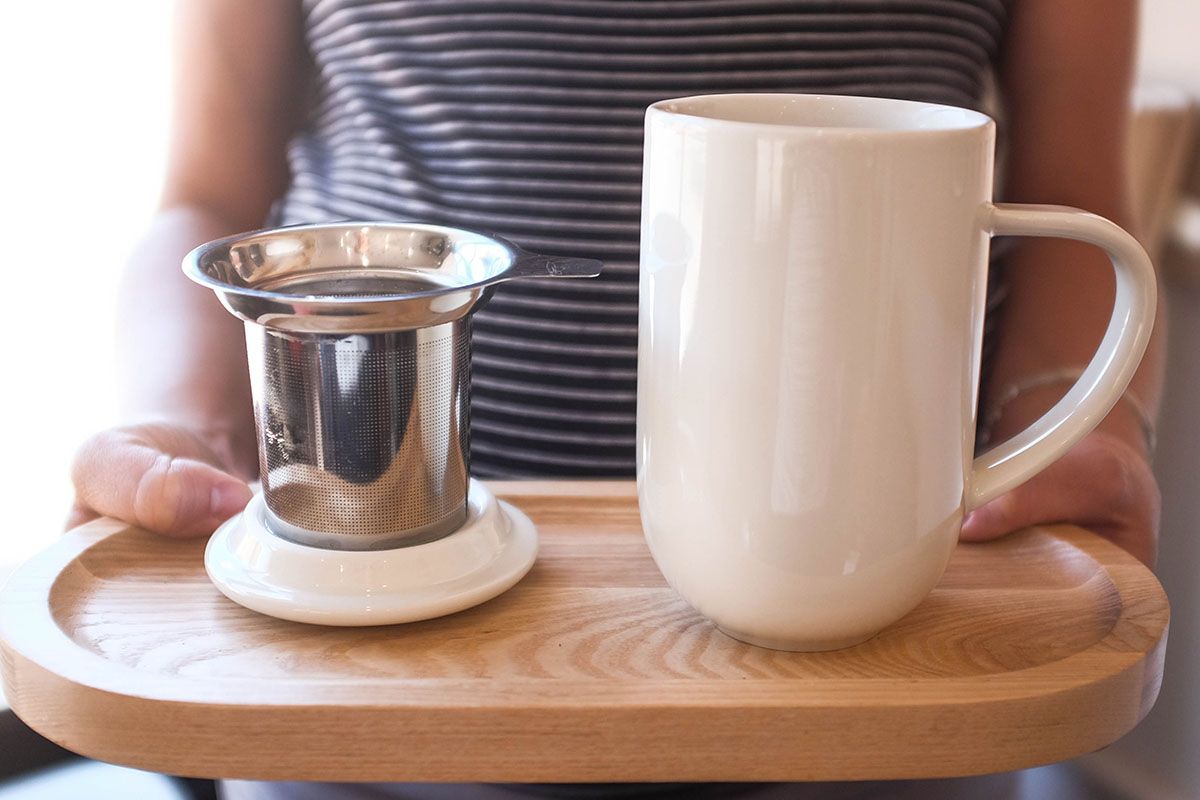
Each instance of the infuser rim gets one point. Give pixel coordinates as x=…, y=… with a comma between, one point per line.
x=193, y=263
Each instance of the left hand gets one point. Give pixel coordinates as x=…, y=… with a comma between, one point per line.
x=1103, y=484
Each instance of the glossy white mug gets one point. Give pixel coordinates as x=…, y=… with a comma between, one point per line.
x=813, y=274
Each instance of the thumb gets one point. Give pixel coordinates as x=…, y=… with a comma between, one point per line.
x=1063, y=491
x=119, y=474
x=996, y=518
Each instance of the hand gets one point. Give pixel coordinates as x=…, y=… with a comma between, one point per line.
x=162, y=477
x=1103, y=484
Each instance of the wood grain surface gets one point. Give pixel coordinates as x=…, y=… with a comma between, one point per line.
x=1033, y=649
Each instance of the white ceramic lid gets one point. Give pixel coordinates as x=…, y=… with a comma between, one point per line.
x=491, y=552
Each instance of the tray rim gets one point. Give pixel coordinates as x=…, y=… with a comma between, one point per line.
x=40, y=661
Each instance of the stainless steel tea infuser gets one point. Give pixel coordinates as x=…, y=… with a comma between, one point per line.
x=359, y=342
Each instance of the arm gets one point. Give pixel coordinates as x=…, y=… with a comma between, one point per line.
x=1066, y=74
x=178, y=464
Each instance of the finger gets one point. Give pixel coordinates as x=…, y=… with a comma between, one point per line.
x=119, y=475
x=79, y=515
x=1102, y=484
x=1061, y=492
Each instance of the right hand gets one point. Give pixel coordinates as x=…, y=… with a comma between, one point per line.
x=159, y=476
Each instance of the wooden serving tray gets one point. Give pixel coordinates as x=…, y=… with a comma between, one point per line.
x=1033, y=649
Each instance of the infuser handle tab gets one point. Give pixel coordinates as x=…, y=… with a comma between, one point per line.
x=532, y=265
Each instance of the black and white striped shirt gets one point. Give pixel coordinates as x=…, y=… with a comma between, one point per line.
x=524, y=118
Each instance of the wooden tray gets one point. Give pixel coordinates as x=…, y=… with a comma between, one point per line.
x=1034, y=649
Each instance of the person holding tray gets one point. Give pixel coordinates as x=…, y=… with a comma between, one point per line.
x=525, y=119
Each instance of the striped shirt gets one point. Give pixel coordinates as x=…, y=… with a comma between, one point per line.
x=524, y=118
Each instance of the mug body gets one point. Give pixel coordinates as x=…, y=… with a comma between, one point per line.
x=813, y=275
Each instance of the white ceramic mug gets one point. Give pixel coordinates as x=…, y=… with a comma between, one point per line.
x=813, y=274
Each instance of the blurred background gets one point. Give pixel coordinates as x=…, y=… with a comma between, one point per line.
x=86, y=89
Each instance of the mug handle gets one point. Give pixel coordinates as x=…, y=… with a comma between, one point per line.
x=1102, y=383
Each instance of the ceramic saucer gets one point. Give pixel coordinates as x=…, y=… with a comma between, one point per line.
x=493, y=550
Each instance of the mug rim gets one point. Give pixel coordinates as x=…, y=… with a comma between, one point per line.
x=944, y=118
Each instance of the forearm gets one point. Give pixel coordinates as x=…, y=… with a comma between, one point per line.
x=1065, y=77
x=182, y=356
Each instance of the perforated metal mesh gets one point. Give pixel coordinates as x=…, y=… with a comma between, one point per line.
x=363, y=438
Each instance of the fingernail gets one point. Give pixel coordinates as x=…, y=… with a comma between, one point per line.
x=228, y=499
